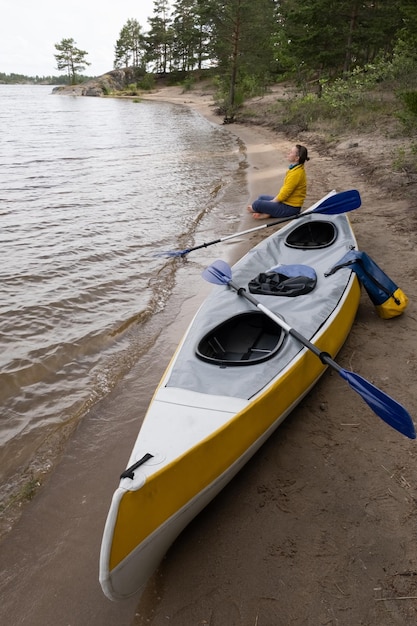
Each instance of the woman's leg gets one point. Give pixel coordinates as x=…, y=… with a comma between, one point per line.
x=264, y=198
x=274, y=209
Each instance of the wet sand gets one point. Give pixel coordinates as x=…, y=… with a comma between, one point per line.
x=318, y=528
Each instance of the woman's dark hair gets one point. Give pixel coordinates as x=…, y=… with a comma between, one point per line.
x=302, y=154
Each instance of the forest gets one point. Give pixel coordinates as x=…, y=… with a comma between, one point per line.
x=252, y=44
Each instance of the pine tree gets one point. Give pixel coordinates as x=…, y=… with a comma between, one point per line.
x=130, y=47
x=71, y=59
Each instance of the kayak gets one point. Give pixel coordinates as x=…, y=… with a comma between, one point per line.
x=233, y=379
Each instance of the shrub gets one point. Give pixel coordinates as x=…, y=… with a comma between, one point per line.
x=408, y=115
x=147, y=83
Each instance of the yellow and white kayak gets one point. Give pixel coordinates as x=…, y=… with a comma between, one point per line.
x=233, y=379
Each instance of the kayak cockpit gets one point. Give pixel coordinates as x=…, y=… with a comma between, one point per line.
x=311, y=235
x=245, y=339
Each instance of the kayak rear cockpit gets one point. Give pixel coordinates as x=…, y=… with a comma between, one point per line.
x=312, y=235
x=244, y=339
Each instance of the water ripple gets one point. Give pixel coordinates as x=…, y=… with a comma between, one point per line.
x=91, y=188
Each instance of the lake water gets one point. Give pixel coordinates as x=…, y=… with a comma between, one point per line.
x=91, y=189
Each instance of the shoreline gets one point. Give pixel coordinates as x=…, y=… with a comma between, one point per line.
x=264, y=150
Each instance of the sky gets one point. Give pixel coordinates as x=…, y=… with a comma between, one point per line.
x=29, y=30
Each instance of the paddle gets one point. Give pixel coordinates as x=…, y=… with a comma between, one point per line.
x=332, y=204
x=393, y=413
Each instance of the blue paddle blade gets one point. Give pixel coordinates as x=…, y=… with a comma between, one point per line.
x=388, y=409
x=342, y=202
x=218, y=273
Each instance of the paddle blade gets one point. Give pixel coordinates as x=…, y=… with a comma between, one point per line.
x=218, y=273
x=342, y=202
x=388, y=409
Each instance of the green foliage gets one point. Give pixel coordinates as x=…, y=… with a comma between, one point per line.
x=342, y=93
x=188, y=83
x=105, y=88
x=132, y=90
x=345, y=46
x=405, y=159
x=313, y=113
x=147, y=83
x=247, y=42
x=331, y=36
x=22, y=79
x=410, y=100
x=243, y=48
x=355, y=99
x=160, y=39
x=70, y=58
x=130, y=47
x=190, y=27
x=303, y=112
x=399, y=65
x=408, y=114
x=178, y=77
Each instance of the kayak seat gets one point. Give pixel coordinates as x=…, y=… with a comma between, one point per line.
x=313, y=234
x=243, y=339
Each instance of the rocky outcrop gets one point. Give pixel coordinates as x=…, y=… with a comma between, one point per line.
x=116, y=80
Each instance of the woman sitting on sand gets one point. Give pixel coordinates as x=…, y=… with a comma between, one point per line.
x=292, y=194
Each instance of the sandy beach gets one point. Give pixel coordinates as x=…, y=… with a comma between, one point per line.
x=318, y=528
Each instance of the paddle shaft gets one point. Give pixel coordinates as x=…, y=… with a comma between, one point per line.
x=255, y=228
x=332, y=204
x=244, y=232
x=324, y=357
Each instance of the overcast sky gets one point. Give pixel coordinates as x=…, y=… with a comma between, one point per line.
x=29, y=30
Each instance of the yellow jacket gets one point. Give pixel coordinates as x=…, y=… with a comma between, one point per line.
x=294, y=189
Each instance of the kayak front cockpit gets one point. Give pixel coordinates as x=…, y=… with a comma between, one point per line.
x=243, y=339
